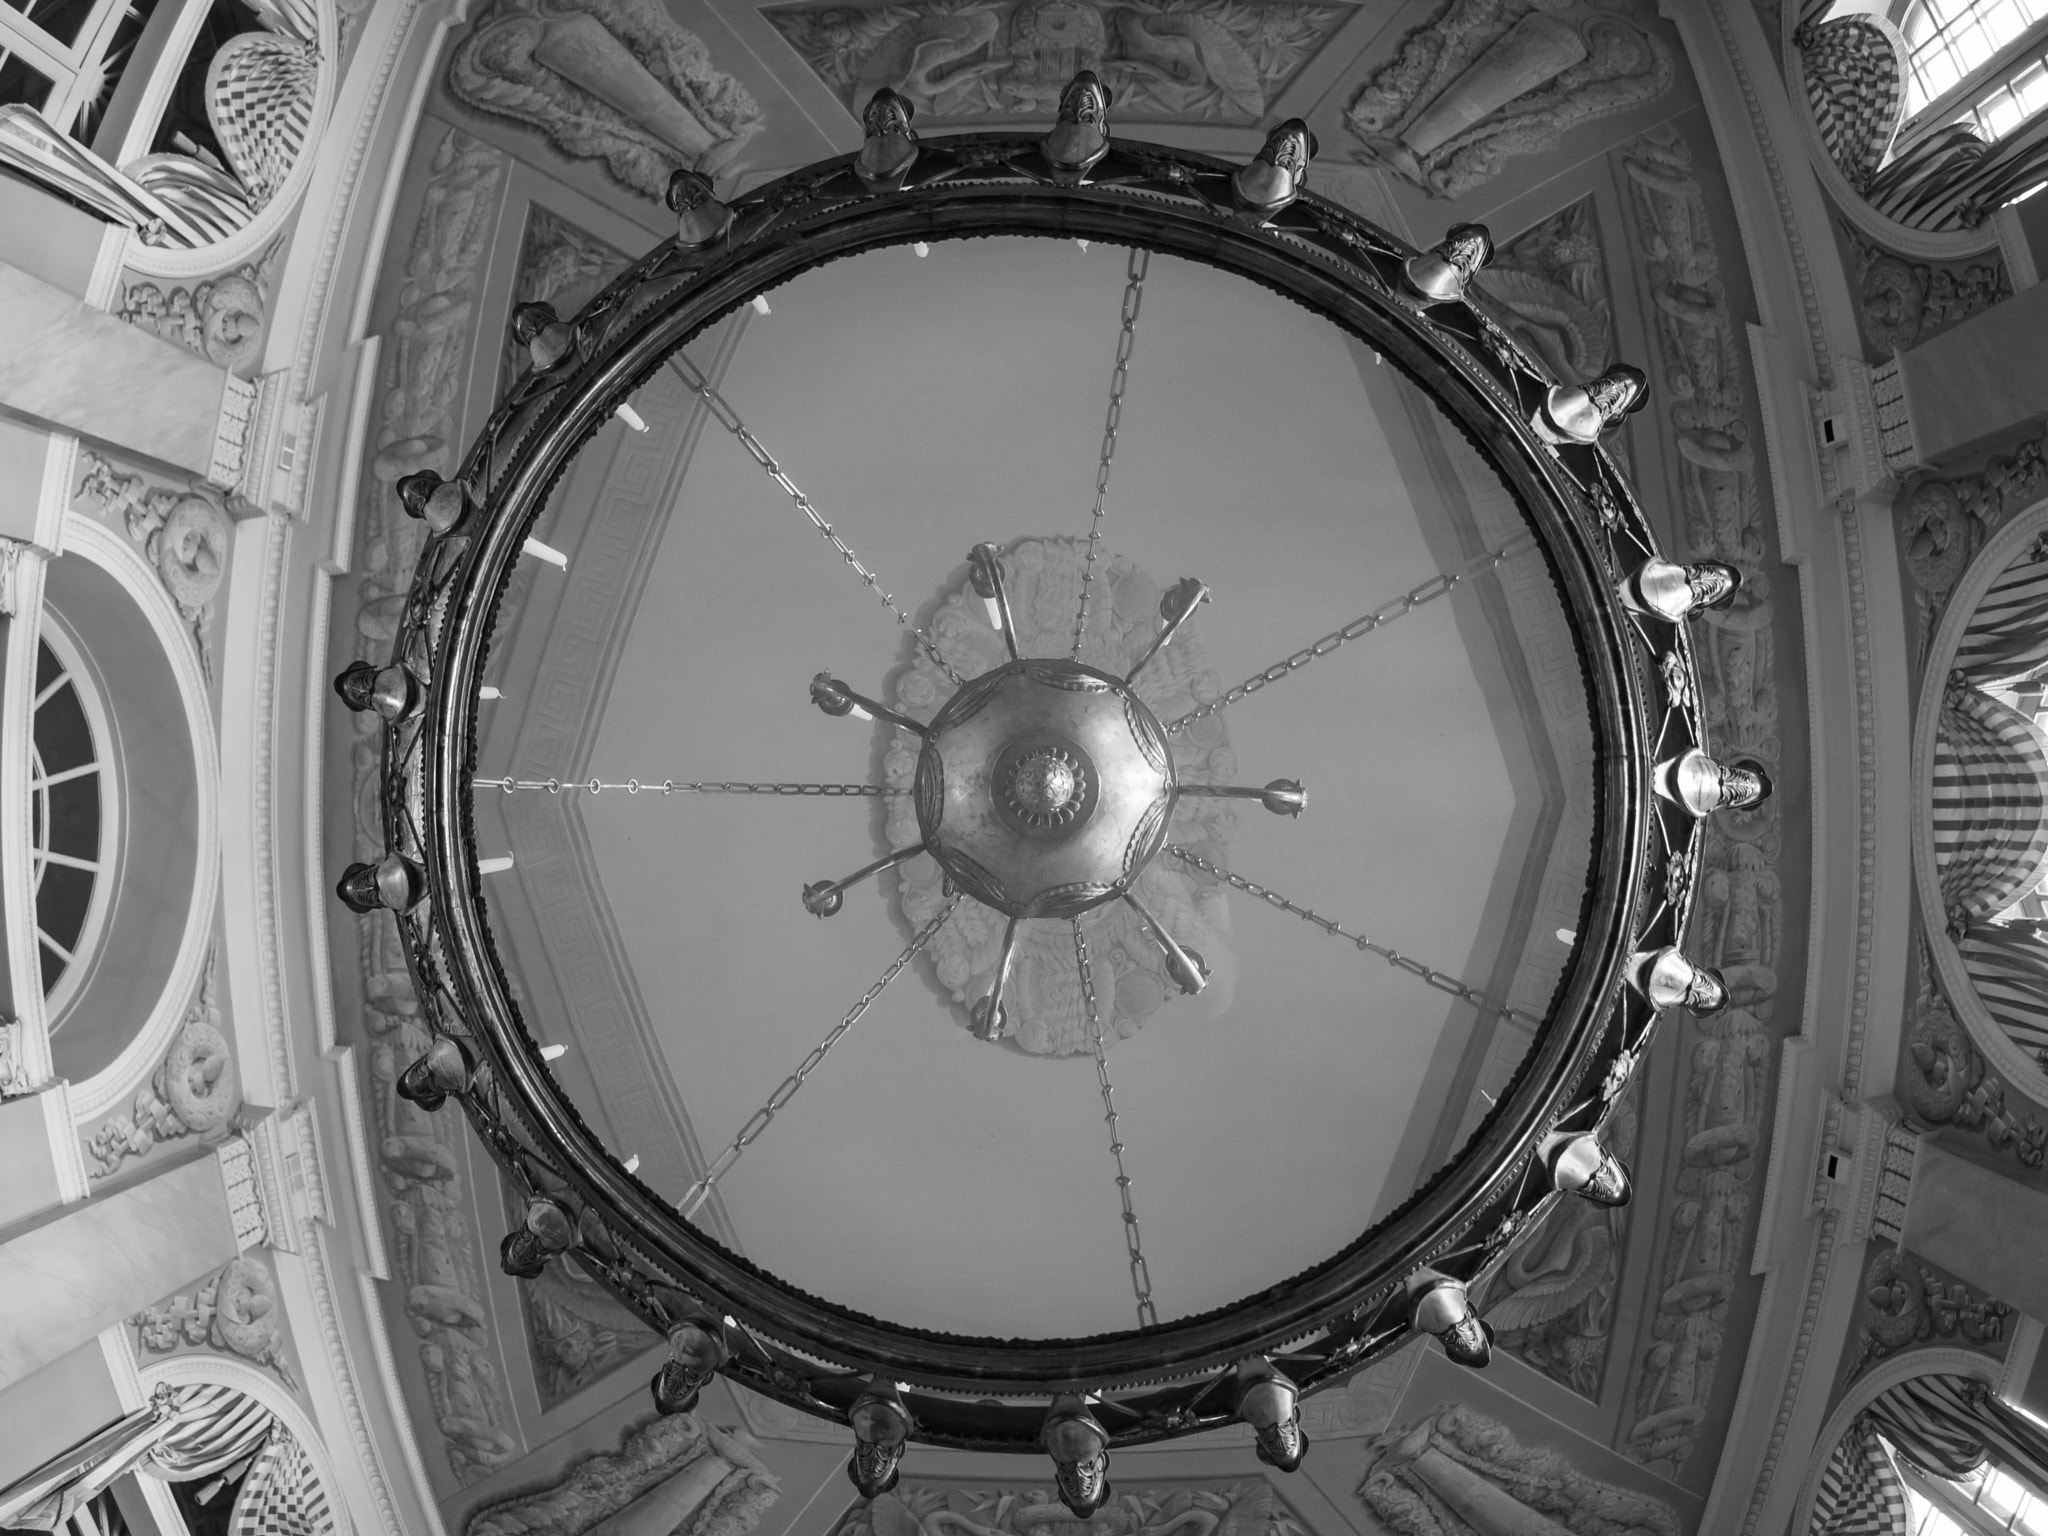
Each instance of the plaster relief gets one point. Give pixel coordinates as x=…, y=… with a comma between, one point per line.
x=1710, y=1214
x=421, y=1159
x=678, y=1474
x=233, y=1312
x=184, y=534
x=578, y=1330
x=1483, y=82
x=1209, y=1508
x=1901, y=303
x=195, y=1091
x=1943, y=1081
x=559, y=264
x=1223, y=61
x=1907, y=1302
x=1943, y=523
x=1131, y=979
x=611, y=80
x=1553, y=280
x=1460, y=1473
x=224, y=319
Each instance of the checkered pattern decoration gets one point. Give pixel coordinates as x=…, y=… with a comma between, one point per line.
x=1990, y=800
x=1860, y=1492
x=1856, y=88
x=282, y=1495
x=259, y=98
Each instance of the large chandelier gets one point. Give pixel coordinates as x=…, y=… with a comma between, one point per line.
x=1044, y=790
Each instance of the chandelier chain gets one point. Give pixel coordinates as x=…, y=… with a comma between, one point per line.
x=1393, y=957
x=1439, y=585
x=1134, y=296
x=1141, y=1276
x=694, y=1198
x=595, y=786
x=729, y=419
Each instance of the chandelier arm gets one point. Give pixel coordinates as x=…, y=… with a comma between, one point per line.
x=1134, y=296
x=1393, y=957
x=728, y=418
x=1437, y=586
x=509, y=785
x=1141, y=1275
x=694, y=1198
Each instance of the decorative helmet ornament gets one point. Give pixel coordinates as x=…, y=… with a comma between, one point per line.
x=1584, y=413
x=1079, y=1447
x=881, y=1434
x=1080, y=135
x=394, y=883
x=438, y=503
x=1441, y=1308
x=392, y=692
x=1581, y=1165
x=548, y=338
x=1669, y=980
x=445, y=1069
x=695, y=1352
x=700, y=217
x=522, y=1255
x=1271, y=1404
x=1672, y=592
x=1444, y=271
x=888, y=145
x=1275, y=175
x=1703, y=784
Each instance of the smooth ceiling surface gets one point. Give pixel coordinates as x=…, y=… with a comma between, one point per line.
x=927, y=404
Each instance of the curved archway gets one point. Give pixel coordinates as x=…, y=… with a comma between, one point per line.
x=265, y=1390
x=146, y=967
x=1996, y=1046
x=1882, y=1377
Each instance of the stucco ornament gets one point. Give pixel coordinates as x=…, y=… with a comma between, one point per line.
x=1907, y=1303
x=1553, y=280
x=1218, y=1508
x=234, y=1312
x=688, y=1478
x=579, y=1330
x=224, y=319
x=1163, y=60
x=1943, y=1081
x=560, y=265
x=184, y=534
x=1131, y=979
x=1460, y=1473
x=195, y=1091
x=1484, y=81
x=611, y=80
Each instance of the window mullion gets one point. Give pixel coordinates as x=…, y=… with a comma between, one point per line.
x=1949, y=1499
x=1972, y=88
x=36, y=47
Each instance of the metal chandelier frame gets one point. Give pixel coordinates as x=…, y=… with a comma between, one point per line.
x=1145, y=1383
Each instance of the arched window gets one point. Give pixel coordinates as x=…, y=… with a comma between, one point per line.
x=71, y=815
x=1986, y=1502
x=65, y=57
x=1979, y=62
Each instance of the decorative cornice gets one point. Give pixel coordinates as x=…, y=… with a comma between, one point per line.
x=313, y=1250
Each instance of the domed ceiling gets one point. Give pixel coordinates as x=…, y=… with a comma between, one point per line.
x=923, y=1173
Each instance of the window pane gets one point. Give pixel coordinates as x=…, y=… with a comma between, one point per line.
x=62, y=19
x=62, y=902
x=75, y=817
x=63, y=738
x=2000, y=1496
x=22, y=84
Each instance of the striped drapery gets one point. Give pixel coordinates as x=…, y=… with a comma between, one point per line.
x=212, y=1428
x=2007, y=637
x=1949, y=1426
x=1990, y=801
x=48, y=1498
x=2008, y=966
x=282, y=1495
x=1860, y=1491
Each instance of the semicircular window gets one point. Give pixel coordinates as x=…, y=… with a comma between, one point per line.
x=68, y=816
